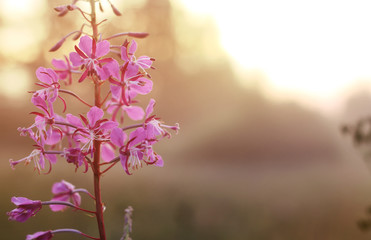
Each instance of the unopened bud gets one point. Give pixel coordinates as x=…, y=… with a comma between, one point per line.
x=60, y=8
x=115, y=10
x=138, y=35
x=62, y=13
x=71, y=7
x=101, y=7
x=58, y=45
x=77, y=35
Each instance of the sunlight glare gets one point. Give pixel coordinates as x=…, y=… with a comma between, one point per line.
x=14, y=81
x=317, y=47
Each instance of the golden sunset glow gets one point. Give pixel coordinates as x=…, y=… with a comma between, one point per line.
x=313, y=47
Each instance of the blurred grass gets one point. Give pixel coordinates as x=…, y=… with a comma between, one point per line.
x=185, y=201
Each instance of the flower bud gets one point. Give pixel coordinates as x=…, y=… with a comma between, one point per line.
x=57, y=45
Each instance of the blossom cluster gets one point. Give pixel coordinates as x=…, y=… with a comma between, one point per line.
x=127, y=80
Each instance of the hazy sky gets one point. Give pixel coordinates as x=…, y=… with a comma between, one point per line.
x=316, y=48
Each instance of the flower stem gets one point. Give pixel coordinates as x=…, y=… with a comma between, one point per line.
x=73, y=94
x=84, y=191
x=66, y=204
x=97, y=143
x=73, y=231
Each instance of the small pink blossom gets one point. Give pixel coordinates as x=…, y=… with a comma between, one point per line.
x=116, y=106
x=136, y=151
x=38, y=156
x=26, y=208
x=89, y=55
x=45, y=235
x=130, y=83
x=153, y=126
x=64, y=191
x=95, y=128
x=75, y=156
x=49, y=81
x=64, y=69
x=127, y=54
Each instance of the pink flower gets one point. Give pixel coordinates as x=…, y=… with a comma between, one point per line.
x=38, y=157
x=64, y=69
x=89, y=54
x=127, y=54
x=49, y=81
x=92, y=128
x=46, y=235
x=45, y=131
x=131, y=83
x=75, y=156
x=114, y=106
x=26, y=208
x=153, y=126
x=136, y=151
x=64, y=191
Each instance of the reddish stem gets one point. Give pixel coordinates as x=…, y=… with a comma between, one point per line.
x=113, y=164
x=67, y=204
x=132, y=126
x=73, y=94
x=97, y=143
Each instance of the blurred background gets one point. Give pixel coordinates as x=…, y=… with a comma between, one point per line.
x=260, y=90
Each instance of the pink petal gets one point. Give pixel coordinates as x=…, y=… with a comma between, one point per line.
x=133, y=47
x=86, y=45
x=145, y=86
x=63, y=197
x=62, y=187
x=39, y=102
x=144, y=61
x=53, y=137
x=73, y=120
x=52, y=158
x=139, y=134
x=115, y=91
x=75, y=59
x=123, y=160
x=103, y=73
x=57, y=208
x=124, y=54
x=159, y=162
x=113, y=68
x=134, y=112
x=94, y=115
x=108, y=125
x=131, y=71
x=21, y=200
x=59, y=64
x=118, y=137
x=76, y=199
x=46, y=75
x=103, y=48
x=150, y=106
x=108, y=152
x=42, y=161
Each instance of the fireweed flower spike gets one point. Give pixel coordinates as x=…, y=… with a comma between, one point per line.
x=91, y=140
